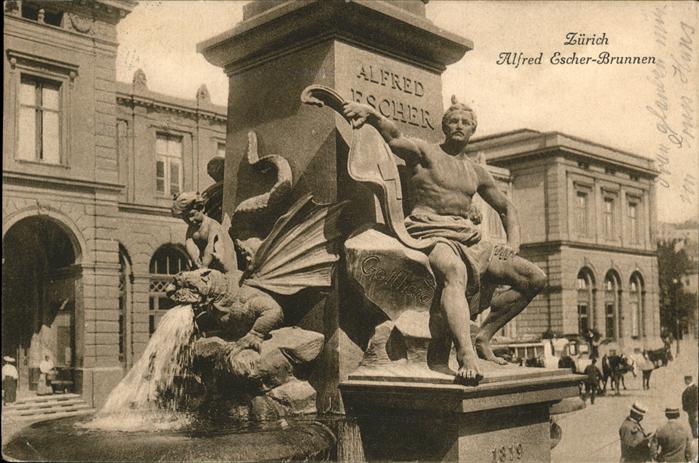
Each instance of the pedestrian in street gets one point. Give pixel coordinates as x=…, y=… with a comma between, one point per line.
x=647, y=368
x=9, y=380
x=45, y=376
x=634, y=440
x=689, y=403
x=672, y=441
x=595, y=343
x=592, y=381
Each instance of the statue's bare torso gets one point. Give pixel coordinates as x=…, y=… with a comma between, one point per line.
x=441, y=183
x=443, y=180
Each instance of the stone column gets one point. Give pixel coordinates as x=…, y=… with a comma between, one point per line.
x=381, y=53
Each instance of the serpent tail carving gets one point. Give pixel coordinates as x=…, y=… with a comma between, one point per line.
x=281, y=188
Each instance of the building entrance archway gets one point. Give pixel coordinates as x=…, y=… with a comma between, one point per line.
x=40, y=281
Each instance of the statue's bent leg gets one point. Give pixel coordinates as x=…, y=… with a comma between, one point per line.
x=451, y=275
x=526, y=280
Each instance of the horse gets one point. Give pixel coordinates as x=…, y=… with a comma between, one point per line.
x=614, y=367
x=660, y=357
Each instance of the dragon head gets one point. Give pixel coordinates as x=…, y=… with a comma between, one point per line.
x=192, y=287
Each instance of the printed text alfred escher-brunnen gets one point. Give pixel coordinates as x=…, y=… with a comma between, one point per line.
x=518, y=58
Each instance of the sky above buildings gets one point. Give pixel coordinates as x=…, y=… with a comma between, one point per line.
x=647, y=109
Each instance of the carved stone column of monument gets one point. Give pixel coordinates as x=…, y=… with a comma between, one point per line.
x=387, y=54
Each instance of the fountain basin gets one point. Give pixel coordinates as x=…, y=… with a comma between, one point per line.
x=64, y=440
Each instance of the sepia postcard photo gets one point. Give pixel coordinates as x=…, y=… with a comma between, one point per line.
x=350, y=230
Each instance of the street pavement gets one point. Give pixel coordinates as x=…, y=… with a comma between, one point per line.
x=592, y=434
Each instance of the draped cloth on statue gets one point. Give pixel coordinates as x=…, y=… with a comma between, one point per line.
x=371, y=162
x=463, y=237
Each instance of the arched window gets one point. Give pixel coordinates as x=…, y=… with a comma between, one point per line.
x=125, y=285
x=611, y=304
x=585, y=285
x=636, y=304
x=168, y=260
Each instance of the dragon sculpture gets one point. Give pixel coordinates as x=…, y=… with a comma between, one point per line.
x=243, y=306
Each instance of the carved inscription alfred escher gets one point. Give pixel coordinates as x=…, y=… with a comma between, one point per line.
x=398, y=107
x=400, y=281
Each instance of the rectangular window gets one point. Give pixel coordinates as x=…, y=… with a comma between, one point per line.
x=39, y=120
x=583, y=318
x=633, y=222
x=581, y=213
x=609, y=319
x=609, y=218
x=635, y=329
x=168, y=164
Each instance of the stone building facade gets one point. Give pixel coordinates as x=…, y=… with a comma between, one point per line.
x=588, y=219
x=89, y=167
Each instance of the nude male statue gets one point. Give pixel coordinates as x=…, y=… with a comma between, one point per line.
x=442, y=182
x=207, y=242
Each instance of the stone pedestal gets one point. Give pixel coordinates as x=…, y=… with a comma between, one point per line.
x=407, y=415
x=386, y=54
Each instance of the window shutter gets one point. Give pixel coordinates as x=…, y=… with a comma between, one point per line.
x=160, y=175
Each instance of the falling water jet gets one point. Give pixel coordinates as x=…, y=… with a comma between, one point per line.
x=148, y=398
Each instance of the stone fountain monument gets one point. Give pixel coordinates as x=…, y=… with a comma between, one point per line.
x=381, y=321
x=329, y=285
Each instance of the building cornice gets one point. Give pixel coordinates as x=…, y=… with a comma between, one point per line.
x=134, y=208
x=14, y=177
x=555, y=245
x=396, y=31
x=501, y=149
x=125, y=96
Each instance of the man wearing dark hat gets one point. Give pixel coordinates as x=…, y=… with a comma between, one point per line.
x=9, y=380
x=592, y=380
x=673, y=440
x=689, y=403
x=634, y=440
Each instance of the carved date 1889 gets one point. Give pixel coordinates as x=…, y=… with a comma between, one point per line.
x=507, y=453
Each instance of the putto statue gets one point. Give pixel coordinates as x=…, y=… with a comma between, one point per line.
x=299, y=253
x=243, y=347
x=207, y=242
x=442, y=181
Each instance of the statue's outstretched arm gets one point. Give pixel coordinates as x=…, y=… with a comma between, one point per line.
x=358, y=114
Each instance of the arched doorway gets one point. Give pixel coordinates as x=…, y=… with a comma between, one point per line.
x=636, y=305
x=612, y=289
x=126, y=279
x=39, y=282
x=585, y=285
x=167, y=261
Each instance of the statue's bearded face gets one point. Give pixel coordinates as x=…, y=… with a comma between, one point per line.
x=458, y=126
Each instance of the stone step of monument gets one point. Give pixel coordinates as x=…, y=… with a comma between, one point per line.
x=46, y=411
x=53, y=415
x=44, y=398
x=44, y=401
x=44, y=407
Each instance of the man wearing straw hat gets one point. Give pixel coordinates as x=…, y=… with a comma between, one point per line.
x=634, y=440
x=673, y=440
x=9, y=380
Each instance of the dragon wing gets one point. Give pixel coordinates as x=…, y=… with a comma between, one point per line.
x=300, y=251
